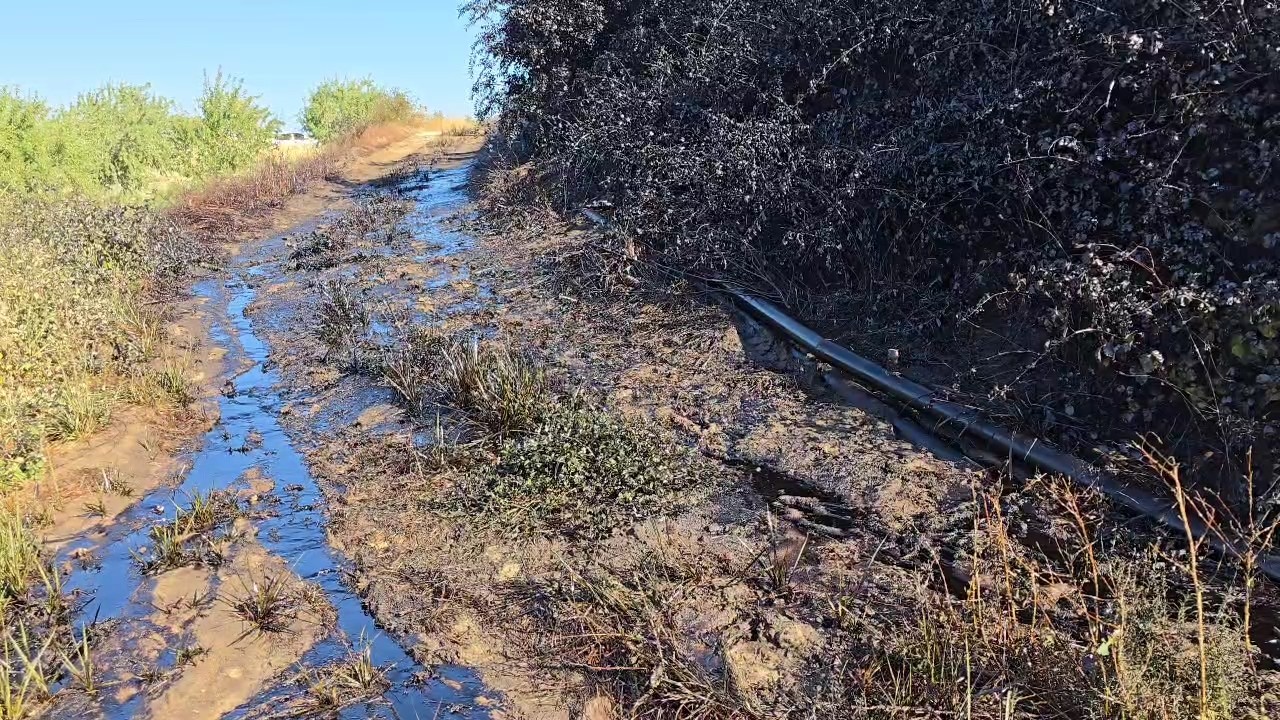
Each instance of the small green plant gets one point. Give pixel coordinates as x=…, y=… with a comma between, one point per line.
x=167, y=550
x=20, y=558
x=188, y=654
x=578, y=468
x=96, y=508
x=79, y=664
x=265, y=606
x=779, y=559
x=24, y=676
x=354, y=679
x=171, y=378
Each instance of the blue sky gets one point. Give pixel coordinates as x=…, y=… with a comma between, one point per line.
x=281, y=48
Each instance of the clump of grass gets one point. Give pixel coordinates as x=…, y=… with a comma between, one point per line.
x=186, y=540
x=171, y=378
x=112, y=482
x=264, y=606
x=78, y=663
x=499, y=389
x=408, y=367
x=617, y=629
x=20, y=558
x=38, y=647
x=779, y=559
x=343, y=323
x=349, y=681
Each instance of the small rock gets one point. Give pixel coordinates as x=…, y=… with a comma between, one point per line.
x=509, y=571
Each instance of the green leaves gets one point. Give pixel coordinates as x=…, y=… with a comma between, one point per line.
x=582, y=469
x=338, y=107
x=125, y=141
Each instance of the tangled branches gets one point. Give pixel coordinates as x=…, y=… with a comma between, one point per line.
x=1107, y=173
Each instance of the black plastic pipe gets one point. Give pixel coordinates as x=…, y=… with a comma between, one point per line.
x=966, y=422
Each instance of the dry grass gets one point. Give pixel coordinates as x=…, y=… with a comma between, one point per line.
x=227, y=207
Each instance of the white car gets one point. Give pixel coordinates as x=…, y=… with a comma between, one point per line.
x=295, y=140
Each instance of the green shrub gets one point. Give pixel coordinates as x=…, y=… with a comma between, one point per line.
x=338, y=107
x=580, y=469
x=232, y=129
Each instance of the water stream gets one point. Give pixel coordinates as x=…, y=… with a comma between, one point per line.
x=249, y=435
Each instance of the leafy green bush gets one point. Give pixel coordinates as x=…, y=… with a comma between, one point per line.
x=578, y=468
x=127, y=143
x=339, y=107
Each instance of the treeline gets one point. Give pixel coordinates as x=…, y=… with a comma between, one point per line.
x=125, y=142
x=1072, y=205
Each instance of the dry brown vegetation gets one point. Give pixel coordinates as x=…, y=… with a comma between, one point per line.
x=231, y=206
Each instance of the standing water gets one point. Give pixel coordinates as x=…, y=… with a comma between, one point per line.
x=249, y=436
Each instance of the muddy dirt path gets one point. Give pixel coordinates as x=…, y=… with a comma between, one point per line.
x=210, y=585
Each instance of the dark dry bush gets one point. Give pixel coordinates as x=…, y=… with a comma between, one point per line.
x=1097, y=180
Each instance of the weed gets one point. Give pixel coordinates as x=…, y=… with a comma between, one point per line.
x=167, y=550
x=409, y=368
x=343, y=323
x=501, y=390
x=188, y=654
x=170, y=541
x=578, y=469
x=24, y=677
x=96, y=508
x=20, y=559
x=79, y=664
x=346, y=682
x=780, y=559
x=171, y=378
x=112, y=482
x=265, y=607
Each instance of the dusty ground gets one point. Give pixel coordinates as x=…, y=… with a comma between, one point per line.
x=809, y=562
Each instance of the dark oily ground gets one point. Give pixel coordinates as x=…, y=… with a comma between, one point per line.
x=866, y=524
x=680, y=365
